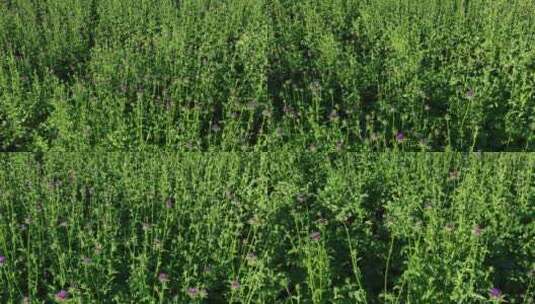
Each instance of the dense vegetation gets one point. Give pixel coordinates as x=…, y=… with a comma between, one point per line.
x=84, y=221
x=267, y=228
x=239, y=75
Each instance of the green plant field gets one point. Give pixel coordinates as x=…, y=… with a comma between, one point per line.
x=258, y=75
x=267, y=228
x=267, y=151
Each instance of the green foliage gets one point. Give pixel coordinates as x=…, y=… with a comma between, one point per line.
x=237, y=75
x=267, y=228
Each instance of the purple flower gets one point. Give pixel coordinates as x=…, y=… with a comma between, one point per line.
x=235, y=284
x=169, y=202
x=62, y=295
x=193, y=292
x=86, y=260
x=400, y=136
x=286, y=109
x=163, y=277
x=98, y=248
x=315, y=236
x=470, y=94
x=495, y=293
x=454, y=175
x=2, y=260
x=476, y=231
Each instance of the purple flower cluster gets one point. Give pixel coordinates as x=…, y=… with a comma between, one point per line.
x=195, y=292
x=235, y=284
x=163, y=277
x=62, y=295
x=495, y=293
x=315, y=236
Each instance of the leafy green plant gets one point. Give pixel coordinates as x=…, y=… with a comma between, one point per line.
x=266, y=228
x=263, y=75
